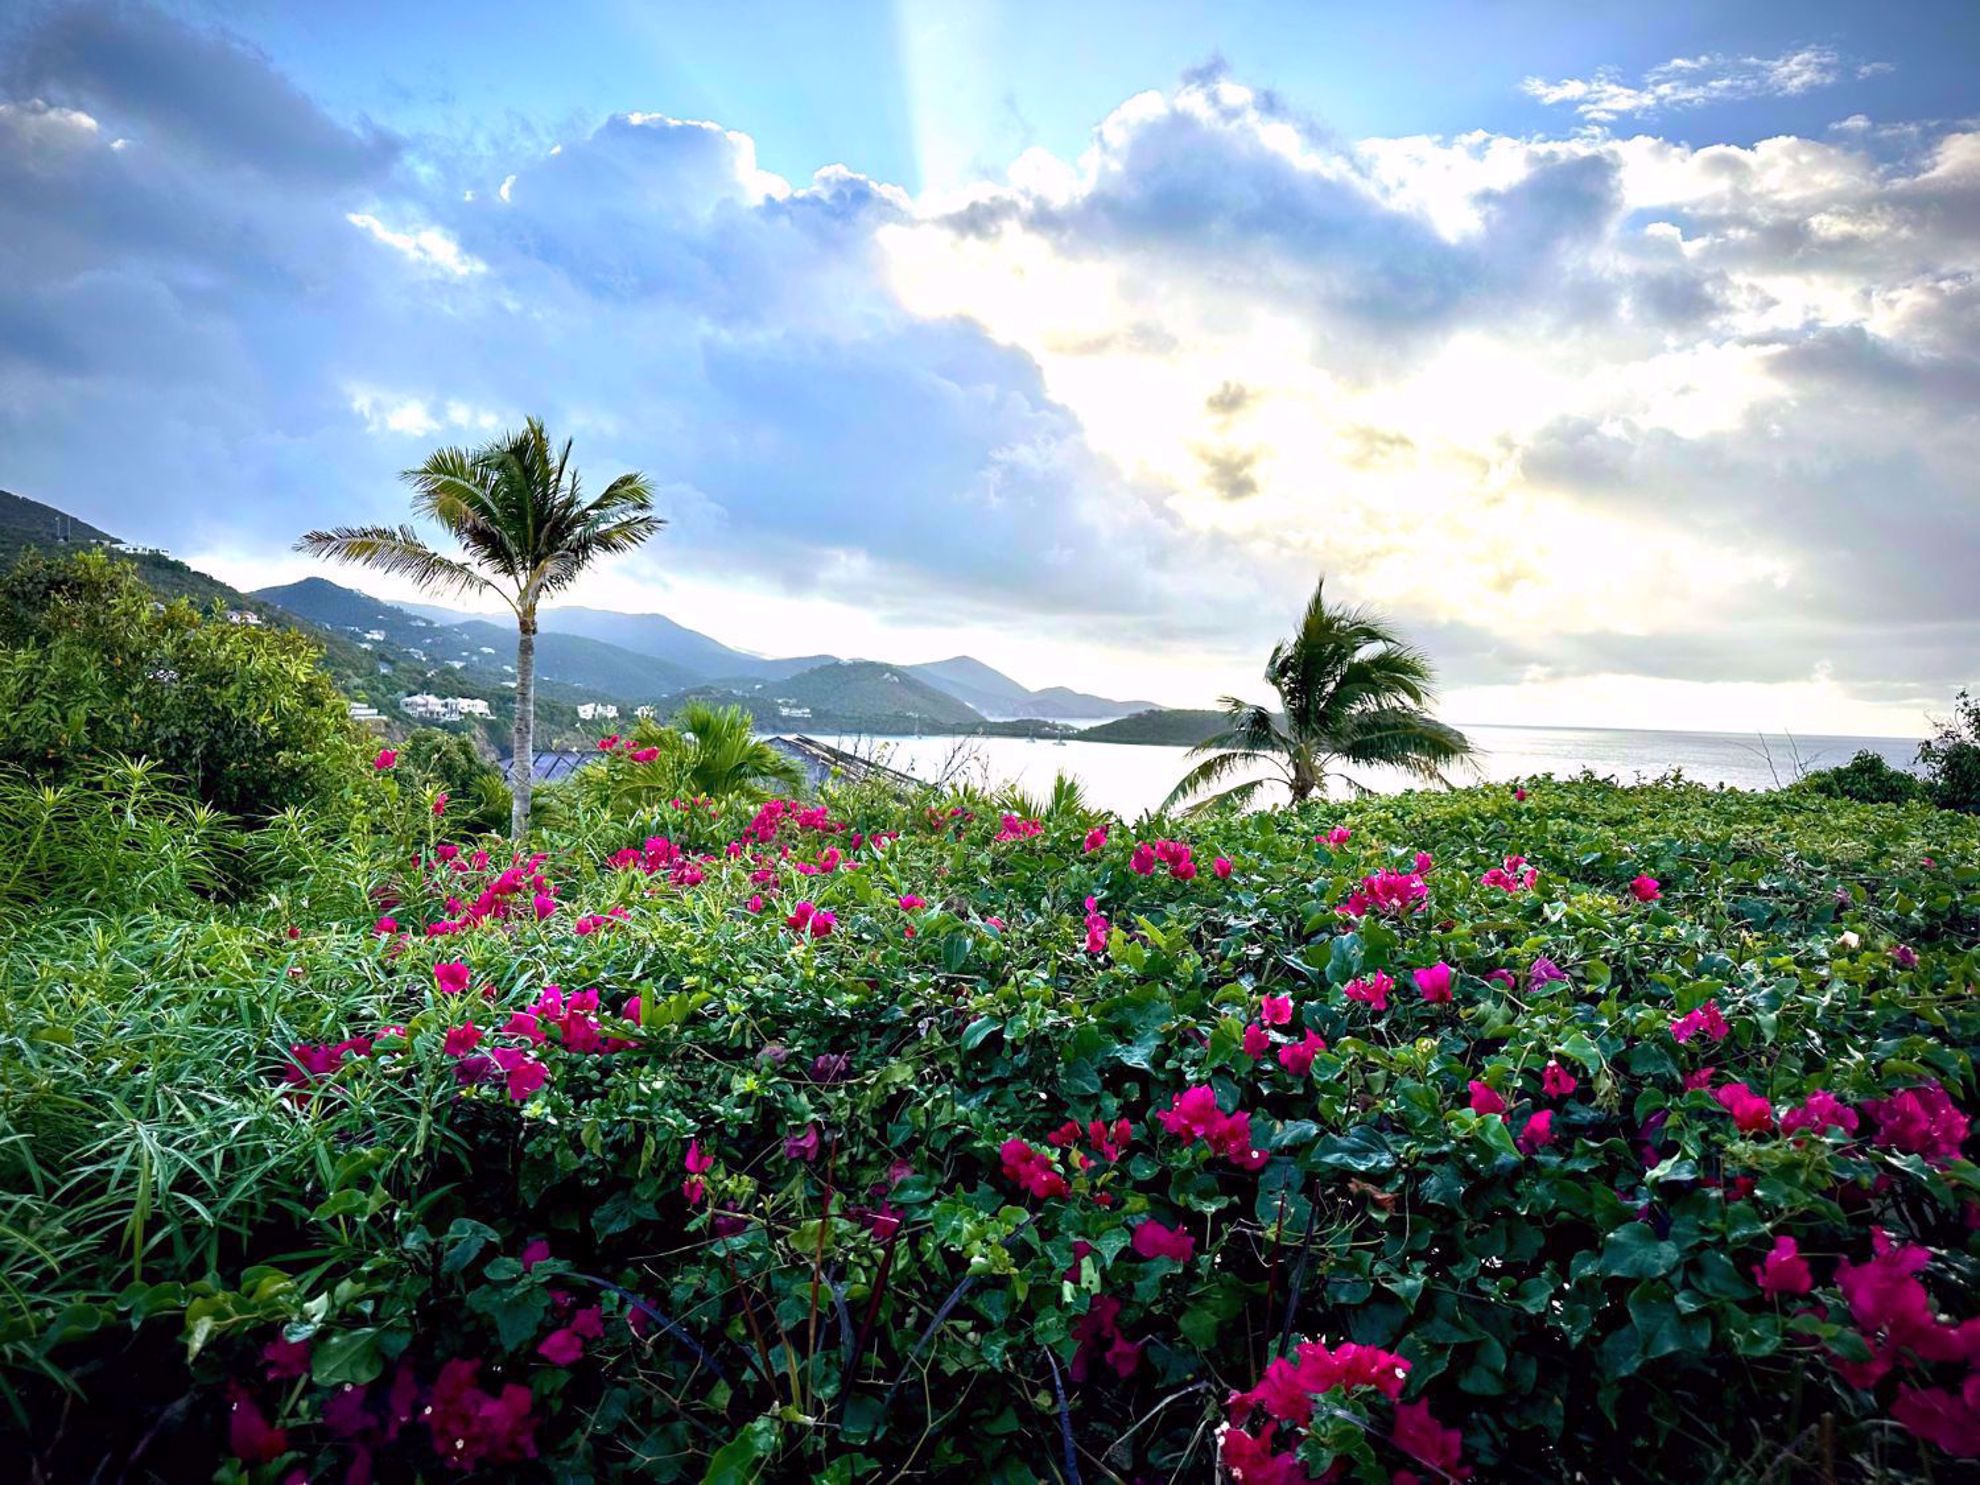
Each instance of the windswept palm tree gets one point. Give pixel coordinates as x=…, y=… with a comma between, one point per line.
x=526, y=530
x=725, y=756
x=1350, y=691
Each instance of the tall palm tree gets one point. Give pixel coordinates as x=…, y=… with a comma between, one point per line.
x=1350, y=691
x=515, y=508
x=726, y=757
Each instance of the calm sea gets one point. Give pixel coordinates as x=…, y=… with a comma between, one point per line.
x=1129, y=779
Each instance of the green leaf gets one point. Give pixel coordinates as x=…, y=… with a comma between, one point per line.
x=974, y=1034
x=741, y=1460
x=1634, y=1251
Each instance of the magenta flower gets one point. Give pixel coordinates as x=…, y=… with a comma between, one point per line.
x=1645, y=889
x=1484, y=1100
x=1340, y=835
x=386, y=759
x=1297, y=1058
x=1031, y=1170
x=249, y=1434
x=1557, y=1082
x=450, y=977
x=1424, y=861
x=1751, y=1114
x=1705, y=1019
x=462, y=1039
x=525, y=1074
x=1433, y=982
x=1920, y=1121
x=533, y=1253
x=1539, y=1131
x=644, y=755
x=1096, y=839
x=561, y=1347
x=1372, y=991
x=1276, y=1010
x=802, y=1146
x=285, y=1360
x=1222, y=867
x=1153, y=1240
x=912, y=904
x=1784, y=1270
x=544, y=905
x=1257, y=1041
x=822, y=923
x=800, y=918
x=440, y=801
x=1142, y=861
x=385, y=927
x=1906, y=956
x=1820, y=1111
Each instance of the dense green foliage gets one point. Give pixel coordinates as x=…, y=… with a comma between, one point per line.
x=1168, y=726
x=795, y=1196
x=1952, y=758
x=1868, y=778
x=92, y=665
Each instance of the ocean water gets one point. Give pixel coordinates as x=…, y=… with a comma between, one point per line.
x=1130, y=779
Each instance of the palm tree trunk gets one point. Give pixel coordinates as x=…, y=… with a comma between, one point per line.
x=523, y=771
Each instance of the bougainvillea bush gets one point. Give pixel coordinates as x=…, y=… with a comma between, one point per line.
x=1571, y=1132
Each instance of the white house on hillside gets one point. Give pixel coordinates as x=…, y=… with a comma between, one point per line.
x=594, y=711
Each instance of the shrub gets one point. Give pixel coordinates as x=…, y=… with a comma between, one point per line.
x=240, y=716
x=1605, y=1133
x=477, y=795
x=1952, y=758
x=1868, y=778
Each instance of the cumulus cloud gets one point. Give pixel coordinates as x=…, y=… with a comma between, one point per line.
x=1584, y=407
x=1689, y=82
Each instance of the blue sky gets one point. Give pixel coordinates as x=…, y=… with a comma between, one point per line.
x=1625, y=353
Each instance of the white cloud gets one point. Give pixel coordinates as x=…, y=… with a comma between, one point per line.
x=427, y=246
x=1688, y=82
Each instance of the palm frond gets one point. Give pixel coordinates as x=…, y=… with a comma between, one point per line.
x=1403, y=738
x=1237, y=797
x=1215, y=770
x=398, y=552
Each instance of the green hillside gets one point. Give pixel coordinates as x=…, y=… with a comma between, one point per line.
x=1174, y=726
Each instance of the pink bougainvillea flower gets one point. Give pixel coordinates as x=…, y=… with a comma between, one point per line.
x=386, y=758
x=1819, y=1112
x=1016, y=827
x=471, y=1427
x=1424, y=862
x=450, y=977
x=1920, y=1121
x=1433, y=982
x=606, y=744
x=1519, y=796
x=1249, y=1458
x=802, y=1146
x=1153, y=1239
x=1543, y=971
x=1096, y=839
x=440, y=802
x=1275, y=1010
x=1645, y=888
x=1193, y=1114
x=1705, y=1019
x=250, y=1436
x=1297, y=1058
x=561, y=1347
x=800, y=917
x=643, y=755
x=1031, y=1170
x=1340, y=835
x=1943, y=1417
x=1751, y=1113
x=1097, y=928
x=912, y=904
x=461, y=1039
x=525, y=1074
x=1222, y=867
x=1257, y=1041
x=1557, y=1082
x=1906, y=956
x=533, y=1253
x=822, y=923
x=1422, y=1437
x=284, y=1360
x=1783, y=1270
x=385, y=927
x=1142, y=861
x=544, y=905
x=1484, y=1100
x=1539, y=1131
x=1702, y=1078
x=1372, y=990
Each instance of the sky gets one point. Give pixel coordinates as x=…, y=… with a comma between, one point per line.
x=1626, y=356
